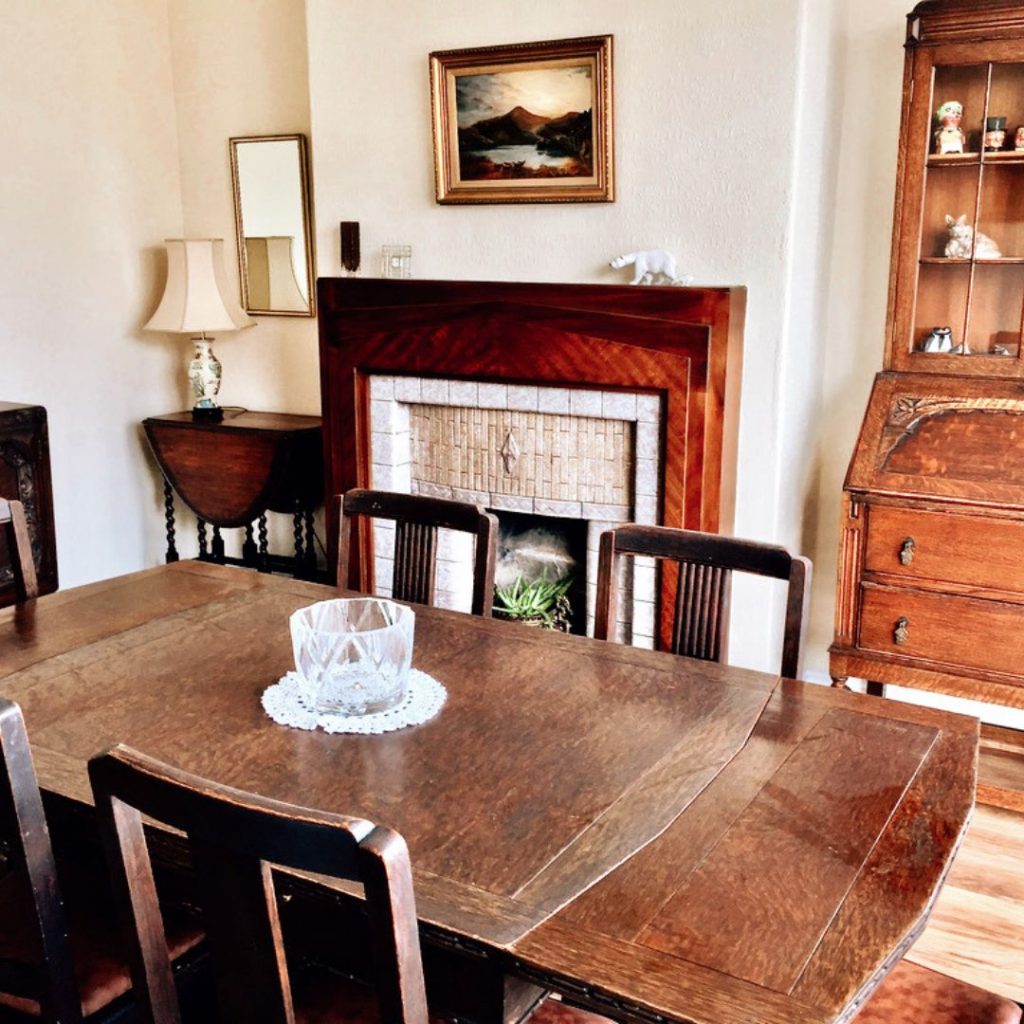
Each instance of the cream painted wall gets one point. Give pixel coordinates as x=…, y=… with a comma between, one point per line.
x=871, y=83
x=90, y=187
x=710, y=123
x=240, y=69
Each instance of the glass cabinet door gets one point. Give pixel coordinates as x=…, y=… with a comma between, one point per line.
x=969, y=300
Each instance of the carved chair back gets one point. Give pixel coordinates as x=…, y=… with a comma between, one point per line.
x=234, y=838
x=705, y=563
x=14, y=527
x=417, y=520
x=45, y=973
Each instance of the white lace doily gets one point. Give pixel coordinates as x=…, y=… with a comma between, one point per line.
x=284, y=702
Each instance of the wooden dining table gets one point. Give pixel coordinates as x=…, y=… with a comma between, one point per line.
x=659, y=839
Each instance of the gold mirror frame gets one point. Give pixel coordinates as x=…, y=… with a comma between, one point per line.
x=307, y=223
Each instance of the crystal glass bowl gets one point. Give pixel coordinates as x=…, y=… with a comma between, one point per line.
x=353, y=654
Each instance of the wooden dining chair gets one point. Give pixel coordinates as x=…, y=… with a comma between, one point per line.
x=60, y=960
x=417, y=520
x=909, y=995
x=234, y=838
x=14, y=527
x=706, y=563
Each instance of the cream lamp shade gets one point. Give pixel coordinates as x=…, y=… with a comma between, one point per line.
x=196, y=300
x=196, y=297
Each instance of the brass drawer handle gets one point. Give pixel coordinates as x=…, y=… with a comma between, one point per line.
x=901, y=633
x=907, y=551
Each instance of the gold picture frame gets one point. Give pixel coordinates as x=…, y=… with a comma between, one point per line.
x=501, y=134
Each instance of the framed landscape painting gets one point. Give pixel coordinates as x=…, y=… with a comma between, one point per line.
x=528, y=123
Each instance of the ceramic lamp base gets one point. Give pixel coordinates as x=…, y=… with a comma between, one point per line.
x=204, y=376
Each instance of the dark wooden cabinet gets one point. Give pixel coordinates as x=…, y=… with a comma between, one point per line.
x=232, y=473
x=931, y=560
x=25, y=475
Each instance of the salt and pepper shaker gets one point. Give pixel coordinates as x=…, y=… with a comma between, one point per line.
x=995, y=134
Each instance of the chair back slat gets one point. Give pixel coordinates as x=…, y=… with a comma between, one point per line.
x=417, y=519
x=23, y=825
x=234, y=838
x=243, y=930
x=14, y=526
x=698, y=623
x=415, y=562
x=706, y=564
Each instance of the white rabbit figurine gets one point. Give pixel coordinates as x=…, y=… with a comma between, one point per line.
x=962, y=242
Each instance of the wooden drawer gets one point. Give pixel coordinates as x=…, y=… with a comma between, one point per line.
x=941, y=546
x=963, y=631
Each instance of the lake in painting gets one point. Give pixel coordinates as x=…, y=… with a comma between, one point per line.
x=534, y=123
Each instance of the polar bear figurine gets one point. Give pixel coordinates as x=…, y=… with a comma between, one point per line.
x=650, y=265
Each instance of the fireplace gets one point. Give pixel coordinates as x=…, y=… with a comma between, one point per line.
x=579, y=455
x=596, y=404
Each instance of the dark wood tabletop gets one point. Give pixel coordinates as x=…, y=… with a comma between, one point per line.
x=654, y=835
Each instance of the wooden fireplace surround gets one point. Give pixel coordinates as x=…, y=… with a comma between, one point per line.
x=682, y=344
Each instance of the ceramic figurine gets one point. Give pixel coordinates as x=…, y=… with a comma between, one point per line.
x=964, y=241
x=995, y=134
x=940, y=340
x=949, y=136
x=1000, y=350
x=962, y=349
x=1018, y=142
x=651, y=266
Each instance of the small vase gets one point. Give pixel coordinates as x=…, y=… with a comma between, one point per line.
x=204, y=374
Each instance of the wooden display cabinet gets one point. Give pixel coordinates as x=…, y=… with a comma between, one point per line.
x=931, y=575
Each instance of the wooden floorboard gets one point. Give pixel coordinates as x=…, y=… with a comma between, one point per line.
x=976, y=931
x=1001, y=768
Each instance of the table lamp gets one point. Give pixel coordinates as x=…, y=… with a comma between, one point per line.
x=196, y=299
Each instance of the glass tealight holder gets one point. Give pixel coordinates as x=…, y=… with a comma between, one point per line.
x=353, y=655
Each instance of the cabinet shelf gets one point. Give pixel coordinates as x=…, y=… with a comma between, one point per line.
x=1007, y=156
x=953, y=159
x=1006, y=261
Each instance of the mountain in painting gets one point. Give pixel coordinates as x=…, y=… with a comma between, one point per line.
x=569, y=134
x=516, y=128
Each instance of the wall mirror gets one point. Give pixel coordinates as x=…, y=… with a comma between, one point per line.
x=273, y=219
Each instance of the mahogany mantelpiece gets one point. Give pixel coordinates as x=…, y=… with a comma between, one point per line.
x=683, y=344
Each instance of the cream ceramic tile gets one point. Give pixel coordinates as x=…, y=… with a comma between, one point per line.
x=551, y=507
x=645, y=509
x=493, y=396
x=407, y=389
x=554, y=400
x=463, y=392
x=618, y=405
x=513, y=503
x=647, y=441
x=645, y=480
x=522, y=397
x=434, y=392
x=648, y=408
x=585, y=403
